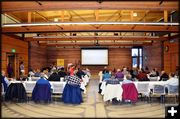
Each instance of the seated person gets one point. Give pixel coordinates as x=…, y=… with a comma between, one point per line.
x=54, y=77
x=88, y=72
x=172, y=80
x=80, y=73
x=46, y=74
x=106, y=75
x=31, y=73
x=154, y=73
x=4, y=80
x=119, y=74
x=62, y=73
x=105, y=70
x=128, y=79
x=112, y=81
x=125, y=71
x=37, y=73
x=164, y=76
x=74, y=80
x=142, y=76
x=23, y=77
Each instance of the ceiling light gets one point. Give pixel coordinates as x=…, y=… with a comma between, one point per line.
x=87, y=23
x=135, y=14
x=55, y=19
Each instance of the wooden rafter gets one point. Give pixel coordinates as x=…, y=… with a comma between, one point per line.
x=88, y=28
x=133, y=5
x=98, y=38
x=100, y=44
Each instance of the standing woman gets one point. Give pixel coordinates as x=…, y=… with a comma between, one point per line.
x=10, y=70
x=22, y=68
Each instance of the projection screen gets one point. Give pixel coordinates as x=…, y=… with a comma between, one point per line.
x=94, y=56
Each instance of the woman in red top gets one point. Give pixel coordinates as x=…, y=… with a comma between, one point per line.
x=71, y=70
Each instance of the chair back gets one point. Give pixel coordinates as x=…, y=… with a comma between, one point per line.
x=58, y=88
x=164, y=79
x=153, y=78
x=173, y=90
x=159, y=89
x=35, y=78
x=129, y=92
x=29, y=86
x=143, y=88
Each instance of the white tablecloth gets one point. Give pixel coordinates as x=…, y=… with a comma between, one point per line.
x=113, y=91
x=33, y=83
x=108, y=89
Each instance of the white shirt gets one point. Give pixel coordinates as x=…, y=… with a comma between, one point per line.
x=172, y=81
x=6, y=80
x=100, y=76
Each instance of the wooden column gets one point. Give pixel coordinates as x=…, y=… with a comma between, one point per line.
x=62, y=16
x=97, y=15
x=165, y=16
x=29, y=17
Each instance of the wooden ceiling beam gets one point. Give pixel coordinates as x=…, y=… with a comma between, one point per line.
x=100, y=44
x=88, y=28
x=48, y=6
x=97, y=38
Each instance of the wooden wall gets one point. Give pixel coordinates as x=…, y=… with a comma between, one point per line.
x=152, y=56
x=118, y=57
x=171, y=57
x=157, y=56
x=37, y=56
x=21, y=47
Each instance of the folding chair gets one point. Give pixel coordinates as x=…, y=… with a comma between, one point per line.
x=58, y=88
x=158, y=91
x=29, y=86
x=143, y=89
x=173, y=92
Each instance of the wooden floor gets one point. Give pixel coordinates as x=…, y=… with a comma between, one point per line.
x=93, y=106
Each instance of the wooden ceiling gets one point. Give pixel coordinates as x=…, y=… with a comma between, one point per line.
x=92, y=11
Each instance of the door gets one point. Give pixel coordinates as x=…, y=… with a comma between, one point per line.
x=12, y=58
x=174, y=61
x=11, y=62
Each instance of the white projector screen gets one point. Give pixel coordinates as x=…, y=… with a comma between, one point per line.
x=94, y=56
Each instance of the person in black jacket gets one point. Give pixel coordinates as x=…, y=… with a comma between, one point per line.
x=80, y=73
x=164, y=76
x=54, y=77
x=62, y=73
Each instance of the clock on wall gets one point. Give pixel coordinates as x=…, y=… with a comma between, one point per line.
x=166, y=48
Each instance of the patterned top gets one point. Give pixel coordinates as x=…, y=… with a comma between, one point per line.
x=112, y=81
x=73, y=80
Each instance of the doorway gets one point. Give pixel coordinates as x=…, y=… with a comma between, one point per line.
x=12, y=59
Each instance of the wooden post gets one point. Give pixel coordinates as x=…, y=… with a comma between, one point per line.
x=29, y=17
x=97, y=15
x=165, y=16
x=62, y=16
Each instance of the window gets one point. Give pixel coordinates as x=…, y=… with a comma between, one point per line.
x=136, y=57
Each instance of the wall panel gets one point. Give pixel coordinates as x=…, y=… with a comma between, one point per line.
x=21, y=47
